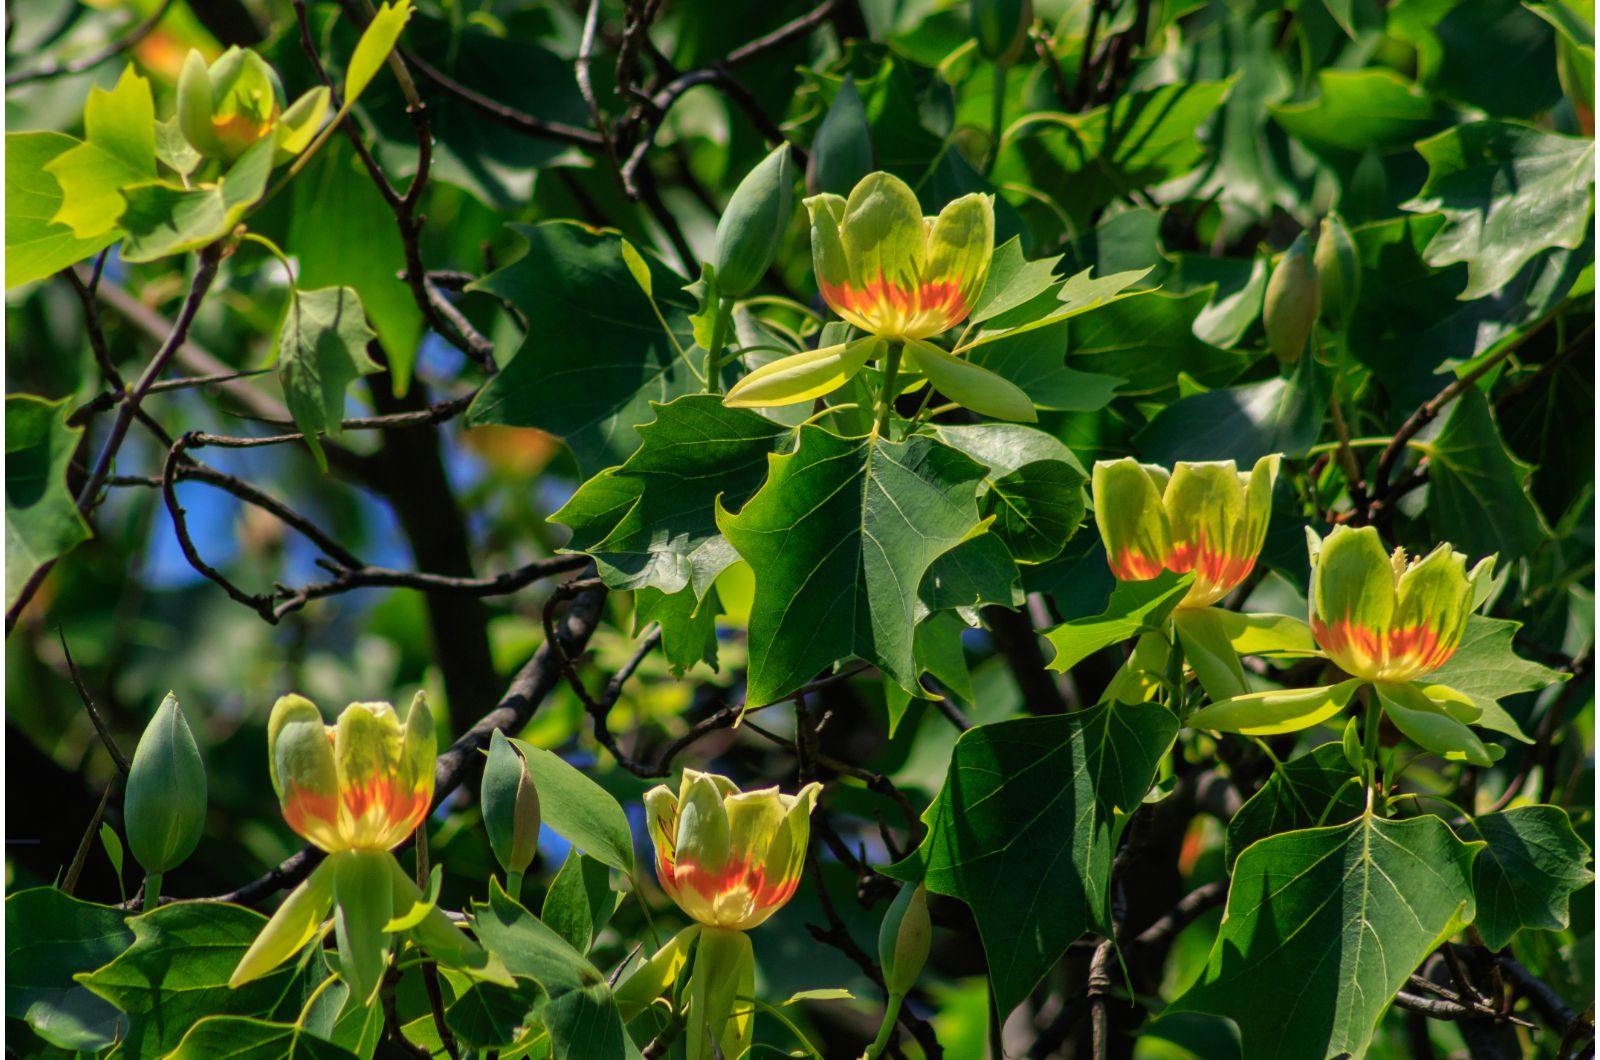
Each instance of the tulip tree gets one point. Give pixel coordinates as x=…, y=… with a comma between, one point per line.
x=988, y=528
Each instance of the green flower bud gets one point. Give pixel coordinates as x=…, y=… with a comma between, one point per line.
x=1001, y=27
x=227, y=107
x=164, y=808
x=1294, y=298
x=1338, y=270
x=904, y=938
x=510, y=805
x=751, y=228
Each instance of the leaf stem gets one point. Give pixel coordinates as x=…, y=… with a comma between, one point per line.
x=719, y=338
x=1369, y=741
x=891, y=376
x=152, y=891
x=891, y=1013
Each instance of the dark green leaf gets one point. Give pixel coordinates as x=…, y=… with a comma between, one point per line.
x=1242, y=423
x=578, y=809
x=694, y=451
x=1023, y=830
x=580, y=900
x=1359, y=110
x=42, y=520
x=1034, y=488
x=1487, y=669
x=976, y=573
x=1533, y=863
x=596, y=356
x=1035, y=360
x=1148, y=341
x=50, y=936
x=322, y=349
x=838, y=536
x=1318, y=788
x=688, y=625
x=1478, y=494
x=489, y=1016
x=242, y=1038
x=176, y=972
x=1323, y=926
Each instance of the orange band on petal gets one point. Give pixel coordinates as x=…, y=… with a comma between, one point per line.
x=1396, y=655
x=1131, y=566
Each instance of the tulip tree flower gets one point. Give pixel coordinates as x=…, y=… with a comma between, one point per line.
x=226, y=108
x=1204, y=518
x=901, y=279
x=355, y=790
x=1388, y=621
x=729, y=859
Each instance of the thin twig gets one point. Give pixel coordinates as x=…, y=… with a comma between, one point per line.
x=100, y=727
x=89, y=62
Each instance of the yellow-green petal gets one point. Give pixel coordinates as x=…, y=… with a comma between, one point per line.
x=298, y=920
x=363, y=891
x=802, y=376
x=1132, y=521
x=1429, y=725
x=304, y=774
x=971, y=385
x=1275, y=712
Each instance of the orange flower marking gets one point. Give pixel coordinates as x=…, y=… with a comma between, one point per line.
x=1216, y=572
x=883, y=307
x=1403, y=654
x=1131, y=566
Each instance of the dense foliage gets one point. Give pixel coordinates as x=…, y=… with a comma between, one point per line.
x=896, y=528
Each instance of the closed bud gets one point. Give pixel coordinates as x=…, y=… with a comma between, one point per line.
x=904, y=938
x=1294, y=298
x=751, y=229
x=1001, y=27
x=510, y=805
x=226, y=108
x=1338, y=271
x=164, y=808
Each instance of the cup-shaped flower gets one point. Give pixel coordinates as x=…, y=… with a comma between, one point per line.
x=1385, y=617
x=730, y=859
x=1202, y=517
x=888, y=270
x=226, y=108
x=364, y=783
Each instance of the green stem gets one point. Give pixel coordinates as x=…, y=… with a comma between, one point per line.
x=996, y=116
x=152, y=890
x=886, y=396
x=891, y=1012
x=1369, y=740
x=719, y=338
x=514, y=885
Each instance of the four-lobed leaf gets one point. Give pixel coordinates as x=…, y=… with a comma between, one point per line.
x=1323, y=926
x=1024, y=830
x=1532, y=864
x=839, y=538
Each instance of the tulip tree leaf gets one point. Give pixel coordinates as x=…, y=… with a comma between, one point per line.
x=582, y=1014
x=1023, y=830
x=1133, y=607
x=1034, y=486
x=490, y=1016
x=51, y=936
x=1314, y=789
x=596, y=357
x=1242, y=423
x=652, y=521
x=243, y=1038
x=839, y=538
x=976, y=573
x=688, y=624
x=580, y=900
x=1323, y=926
x=1487, y=669
x=42, y=518
x=37, y=245
x=1507, y=192
x=1531, y=866
x=118, y=150
x=1478, y=495
x=322, y=349
x=164, y=219
x=1035, y=360
x=578, y=809
x=1013, y=281
x=1147, y=341
x=1358, y=110
x=1087, y=160
x=176, y=972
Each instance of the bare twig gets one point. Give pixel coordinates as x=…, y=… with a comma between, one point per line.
x=100, y=727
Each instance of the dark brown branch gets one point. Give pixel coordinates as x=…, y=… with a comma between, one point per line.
x=89, y=62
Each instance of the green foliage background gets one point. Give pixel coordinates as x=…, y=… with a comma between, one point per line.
x=544, y=389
